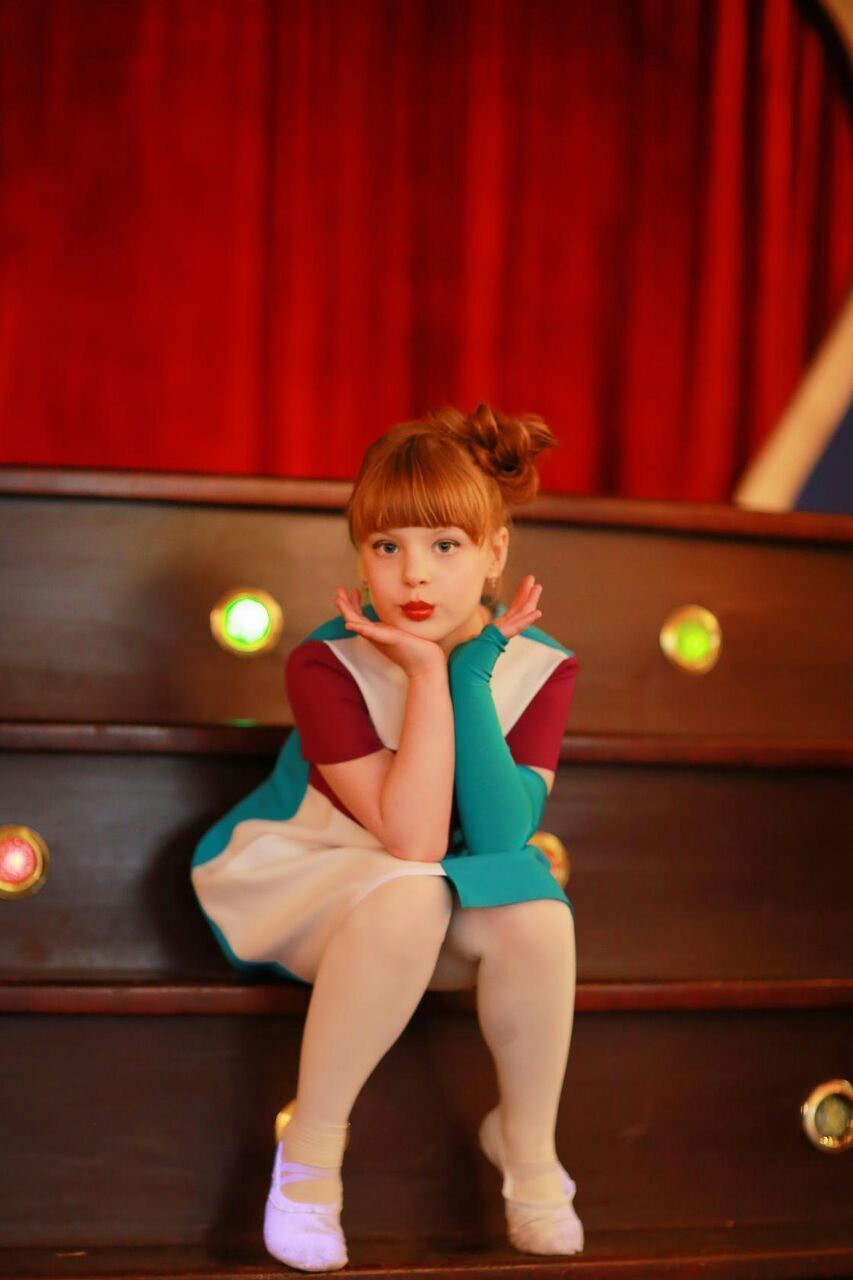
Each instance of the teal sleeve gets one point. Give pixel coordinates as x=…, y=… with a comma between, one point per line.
x=500, y=802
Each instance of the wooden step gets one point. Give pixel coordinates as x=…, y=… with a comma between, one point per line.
x=743, y=864
x=147, y=1129
x=741, y=1251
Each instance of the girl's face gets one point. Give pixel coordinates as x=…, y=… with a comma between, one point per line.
x=442, y=567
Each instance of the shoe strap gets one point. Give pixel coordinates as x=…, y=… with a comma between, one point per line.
x=288, y=1171
x=569, y=1189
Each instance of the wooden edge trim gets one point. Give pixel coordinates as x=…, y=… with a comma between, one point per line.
x=267, y=740
x=729, y=1250
x=331, y=495
x=141, y=997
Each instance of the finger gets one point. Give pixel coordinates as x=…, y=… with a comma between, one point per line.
x=345, y=604
x=528, y=588
x=524, y=586
x=532, y=600
x=526, y=597
x=359, y=620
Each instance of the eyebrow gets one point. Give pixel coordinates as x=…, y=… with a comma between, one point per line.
x=445, y=528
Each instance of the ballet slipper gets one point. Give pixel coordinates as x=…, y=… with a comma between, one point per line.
x=531, y=1227
x=306, y=1236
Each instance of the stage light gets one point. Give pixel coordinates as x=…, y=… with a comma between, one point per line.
x=691, y=638
x=246, y=621
x=23, y=861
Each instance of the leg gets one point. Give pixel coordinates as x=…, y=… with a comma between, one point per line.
x=522, y=960
x=525, y=1005
x=371, y=978
x=456, y=968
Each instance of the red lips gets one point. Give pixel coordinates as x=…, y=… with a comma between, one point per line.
x=418, y=609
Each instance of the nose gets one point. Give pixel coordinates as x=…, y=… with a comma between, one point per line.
x=414, y=571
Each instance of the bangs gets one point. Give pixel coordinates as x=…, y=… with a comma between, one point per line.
x=427, y=483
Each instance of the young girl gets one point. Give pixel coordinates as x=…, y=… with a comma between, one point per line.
x=388, y=852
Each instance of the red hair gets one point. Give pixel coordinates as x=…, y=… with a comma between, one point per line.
x=448, y=469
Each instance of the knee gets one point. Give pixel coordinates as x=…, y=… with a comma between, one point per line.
x=543, y=927
x=405, y=915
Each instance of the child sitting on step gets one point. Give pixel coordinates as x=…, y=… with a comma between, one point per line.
x=389, y=852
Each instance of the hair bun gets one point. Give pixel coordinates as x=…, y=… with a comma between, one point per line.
x=507, y=448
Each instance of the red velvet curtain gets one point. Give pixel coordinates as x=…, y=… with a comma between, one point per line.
x=248, y=237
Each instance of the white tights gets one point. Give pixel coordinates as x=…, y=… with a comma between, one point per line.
x=403, y=938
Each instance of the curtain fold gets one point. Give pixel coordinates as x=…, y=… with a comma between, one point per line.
x=247, y=238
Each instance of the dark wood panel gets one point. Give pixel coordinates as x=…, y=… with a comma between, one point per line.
x=155, y=1130
x=677, y=873
x=112, y=602
x=689, y=873
x=781, y=672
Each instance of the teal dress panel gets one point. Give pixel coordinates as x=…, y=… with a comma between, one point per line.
x=485, y=880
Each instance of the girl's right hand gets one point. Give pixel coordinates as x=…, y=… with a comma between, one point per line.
x=413, y=653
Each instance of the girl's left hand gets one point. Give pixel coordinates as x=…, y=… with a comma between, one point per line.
x=522, y=612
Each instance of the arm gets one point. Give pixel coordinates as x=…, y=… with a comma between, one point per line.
x=418, y=792
x=500, y=802
x=384, y=791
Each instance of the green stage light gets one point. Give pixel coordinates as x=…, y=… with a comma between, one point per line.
x=691, y=639
x=246, y=621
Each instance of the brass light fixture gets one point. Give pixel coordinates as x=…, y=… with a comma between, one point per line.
x=691, y=638
x=827, y=1115
x=24, y=859
x=556, y=853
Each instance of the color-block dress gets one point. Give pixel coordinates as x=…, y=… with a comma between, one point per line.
x=277, y=875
